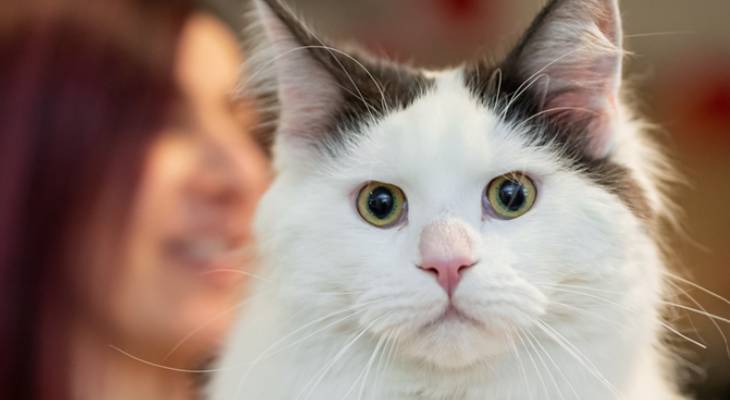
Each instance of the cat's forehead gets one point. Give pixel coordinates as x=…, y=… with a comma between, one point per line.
x=447, y=131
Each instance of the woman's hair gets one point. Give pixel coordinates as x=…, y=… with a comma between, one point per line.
x=84, y=88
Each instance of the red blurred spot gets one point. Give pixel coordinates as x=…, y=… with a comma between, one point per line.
x=715, y=102
x=694, y=97
x=460, y=9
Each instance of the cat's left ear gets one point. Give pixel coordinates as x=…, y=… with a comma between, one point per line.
x=324, y=93
x=576, y=47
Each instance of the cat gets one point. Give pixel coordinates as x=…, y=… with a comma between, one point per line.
x=483, y=232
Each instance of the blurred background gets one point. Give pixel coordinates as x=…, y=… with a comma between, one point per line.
x=679, y=70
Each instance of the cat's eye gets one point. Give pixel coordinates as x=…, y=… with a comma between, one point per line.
x=510, y=196
x=381, y=204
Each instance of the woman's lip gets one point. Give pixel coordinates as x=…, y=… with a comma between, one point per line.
x=207, y=254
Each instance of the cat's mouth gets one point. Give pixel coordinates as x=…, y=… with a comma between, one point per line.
x=453, y=315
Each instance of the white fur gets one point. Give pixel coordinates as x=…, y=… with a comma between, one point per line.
x=566, y=298
x=297, y=341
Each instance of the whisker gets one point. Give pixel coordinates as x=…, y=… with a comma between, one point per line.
x=654, y=34
x=389, y=356
x=162, y=366
x=520, y=364
x=550, y=110
x=603, y=299
x=520, y=91
x=369, y=366
x=697, y=303
x=577, y=354
x=532, y=360
x=268, y=351
x=235, y=271
x=287, y=53
x=331, y=50
x=531, y=80
x=349, y=312
x=535, y=344
x=380, y=362
x=696, y=286
x=496, y=76
x=311, y=386
x=683, y=336
x=195, y=331
x=694, y=310
x=591, y=314
x=560, y=371
x=587, y=288
x=352, y=81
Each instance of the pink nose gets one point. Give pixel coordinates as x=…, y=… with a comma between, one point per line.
x=447, y=249
x=448, y=272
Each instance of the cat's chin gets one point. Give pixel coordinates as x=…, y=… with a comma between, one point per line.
x=455, y=341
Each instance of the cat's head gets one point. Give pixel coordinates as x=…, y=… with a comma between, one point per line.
x=458, y=211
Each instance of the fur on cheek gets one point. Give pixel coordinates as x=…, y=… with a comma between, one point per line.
x=565, y=299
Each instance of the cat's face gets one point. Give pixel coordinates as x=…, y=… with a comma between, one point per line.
x=454, y=213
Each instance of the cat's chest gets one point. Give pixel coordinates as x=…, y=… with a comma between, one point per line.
x=478, y=384
x=358, y=376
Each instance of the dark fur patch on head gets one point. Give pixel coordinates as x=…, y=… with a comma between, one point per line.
x=529, y=95
x=369, y=89
x=618, y=180
x=504, y=89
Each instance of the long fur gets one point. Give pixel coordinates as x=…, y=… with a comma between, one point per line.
x=565, y=302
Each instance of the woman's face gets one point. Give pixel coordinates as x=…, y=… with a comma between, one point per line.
x=182, y=272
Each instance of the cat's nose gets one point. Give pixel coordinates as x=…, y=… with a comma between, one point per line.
x=447, y=249
x=448, y=272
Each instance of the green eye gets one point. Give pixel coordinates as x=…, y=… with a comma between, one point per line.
x=510, y=196
x=381, y=204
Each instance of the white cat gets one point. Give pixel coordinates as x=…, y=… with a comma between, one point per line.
x=478, y=233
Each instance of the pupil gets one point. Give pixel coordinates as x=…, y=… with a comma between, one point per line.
x=512, y=195
x=381, y=202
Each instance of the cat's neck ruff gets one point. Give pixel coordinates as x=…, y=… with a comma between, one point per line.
x=485, y=232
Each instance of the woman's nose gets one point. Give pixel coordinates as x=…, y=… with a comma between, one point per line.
x=220, y=179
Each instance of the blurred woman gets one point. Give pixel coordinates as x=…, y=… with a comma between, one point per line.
x=127, y=183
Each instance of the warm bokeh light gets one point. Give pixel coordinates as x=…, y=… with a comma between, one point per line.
x=169, y=288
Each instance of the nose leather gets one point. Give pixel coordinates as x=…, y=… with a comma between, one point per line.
x=447, y=250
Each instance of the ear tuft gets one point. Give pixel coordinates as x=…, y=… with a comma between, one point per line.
x=576, y=46
x=307, y=92
x=325, y=94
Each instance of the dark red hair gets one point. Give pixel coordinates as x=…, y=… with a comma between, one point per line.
x=84, y=87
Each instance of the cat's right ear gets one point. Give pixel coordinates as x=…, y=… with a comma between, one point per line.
x=572, y=55
x=308, y=93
